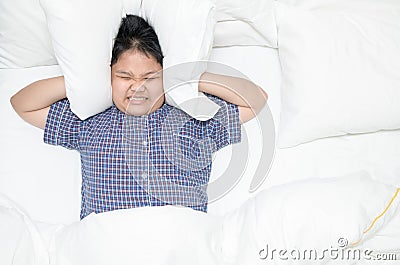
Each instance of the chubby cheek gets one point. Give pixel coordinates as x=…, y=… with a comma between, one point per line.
x=156, y=90
x=118, y=92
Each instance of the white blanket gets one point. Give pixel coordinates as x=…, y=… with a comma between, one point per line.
x=312, y=214
x=20, y=240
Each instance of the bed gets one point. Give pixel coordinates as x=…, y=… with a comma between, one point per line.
x=320, y=177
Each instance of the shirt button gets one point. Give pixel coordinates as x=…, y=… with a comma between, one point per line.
x=144, y=175
x=145, y=143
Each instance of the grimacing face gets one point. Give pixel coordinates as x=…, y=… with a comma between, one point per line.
x=136, y=80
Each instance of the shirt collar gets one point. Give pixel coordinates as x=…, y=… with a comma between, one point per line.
x=157, y=114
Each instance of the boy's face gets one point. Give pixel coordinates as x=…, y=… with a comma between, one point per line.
x=136, y=80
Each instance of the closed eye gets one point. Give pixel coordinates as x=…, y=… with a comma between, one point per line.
x=124, y=77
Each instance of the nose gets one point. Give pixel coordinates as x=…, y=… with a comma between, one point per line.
x=137, y=86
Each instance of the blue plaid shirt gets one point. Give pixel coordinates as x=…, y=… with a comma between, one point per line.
x=153, y=160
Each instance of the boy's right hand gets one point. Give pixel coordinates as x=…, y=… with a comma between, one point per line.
x=32, y=103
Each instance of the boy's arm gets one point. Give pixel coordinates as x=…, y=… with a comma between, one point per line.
x=249, y=97
x=32, y=103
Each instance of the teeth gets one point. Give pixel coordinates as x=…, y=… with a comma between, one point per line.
x=133, y=98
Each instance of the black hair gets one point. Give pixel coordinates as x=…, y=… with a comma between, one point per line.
x=135, y=33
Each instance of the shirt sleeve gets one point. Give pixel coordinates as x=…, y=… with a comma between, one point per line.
x=224, y=128
x=62, y=126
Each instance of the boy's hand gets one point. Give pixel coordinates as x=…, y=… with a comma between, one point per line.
x=249, y=97
x=33, y=102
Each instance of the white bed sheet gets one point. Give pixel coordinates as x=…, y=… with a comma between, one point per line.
x=42, y=179
x=377, y=153
x=45, y=180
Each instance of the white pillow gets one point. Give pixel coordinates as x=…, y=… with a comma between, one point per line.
x=340, y=69
x=184, y=40
x=83, y=42
x=184, y=28
x=306, y=215
x=82, y=39
x=132, y=6
x=24, y=38
x=338, y=4
x=258, y=17
x=237, y=33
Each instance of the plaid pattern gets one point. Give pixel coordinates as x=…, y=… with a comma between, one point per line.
x=158, y=159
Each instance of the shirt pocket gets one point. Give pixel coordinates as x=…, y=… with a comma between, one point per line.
x=191, y=153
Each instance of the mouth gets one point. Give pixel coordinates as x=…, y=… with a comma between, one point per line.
x=137, y=98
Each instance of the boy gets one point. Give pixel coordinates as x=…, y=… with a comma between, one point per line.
x=133, y=154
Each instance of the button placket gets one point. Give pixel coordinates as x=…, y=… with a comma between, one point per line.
x=145, y=175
